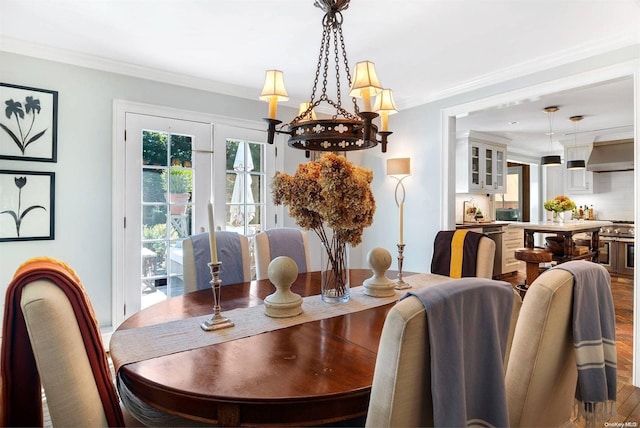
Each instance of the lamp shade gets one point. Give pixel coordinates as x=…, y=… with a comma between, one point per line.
x=311, y=115
x=399, y=166
x=550, y=160
x=365, y=79
x=576, y=164
x=384, y=102
x=274, y=86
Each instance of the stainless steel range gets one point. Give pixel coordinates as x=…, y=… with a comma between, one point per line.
x=617, y=248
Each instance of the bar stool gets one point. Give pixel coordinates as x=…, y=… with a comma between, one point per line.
x=532, y=257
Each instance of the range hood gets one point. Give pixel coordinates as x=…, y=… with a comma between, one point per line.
x=610, y=156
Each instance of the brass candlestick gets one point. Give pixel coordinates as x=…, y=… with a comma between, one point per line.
x=400, y=284
x=217, y=321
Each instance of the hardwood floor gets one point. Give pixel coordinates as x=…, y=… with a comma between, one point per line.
x=628, y=396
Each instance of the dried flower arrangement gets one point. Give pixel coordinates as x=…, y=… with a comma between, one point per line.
x=329, y=191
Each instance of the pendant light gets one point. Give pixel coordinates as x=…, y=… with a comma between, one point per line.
x=550, y=159
x=576, y=163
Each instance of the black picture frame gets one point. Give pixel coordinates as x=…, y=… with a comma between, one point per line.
x=27, y=205
x=28, y=123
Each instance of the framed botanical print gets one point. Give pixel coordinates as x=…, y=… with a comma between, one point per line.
x=28, y=123
x=27, y=205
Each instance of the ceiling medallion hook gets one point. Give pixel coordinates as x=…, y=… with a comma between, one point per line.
x=345, y=130
x=332, y=6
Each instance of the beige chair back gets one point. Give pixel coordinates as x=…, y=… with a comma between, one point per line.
x=399, y=397
x=541, y=374
x=63, y=365
x=486, y=257
x=189, y=264
x=264, y=257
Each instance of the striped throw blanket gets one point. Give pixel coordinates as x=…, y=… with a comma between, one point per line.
x=594, y=337
x=21, y=394
x=455, y=253
x=468, y=324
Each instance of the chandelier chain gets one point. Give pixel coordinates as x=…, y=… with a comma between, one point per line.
x=337, y=66
x=347, y=69
x=331, y=25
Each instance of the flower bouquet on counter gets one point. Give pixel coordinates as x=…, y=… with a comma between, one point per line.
x=559, y=204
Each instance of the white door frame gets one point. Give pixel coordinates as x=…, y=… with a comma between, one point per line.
x=120, y=109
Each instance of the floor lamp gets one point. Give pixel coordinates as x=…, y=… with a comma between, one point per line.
x=399, y=169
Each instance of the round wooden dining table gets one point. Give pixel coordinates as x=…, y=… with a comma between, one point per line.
x=313, y=373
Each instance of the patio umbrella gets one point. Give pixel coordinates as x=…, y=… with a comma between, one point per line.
x=242, y=188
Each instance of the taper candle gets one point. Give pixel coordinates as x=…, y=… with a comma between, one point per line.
x=366, y=99
x=212, y=236
x=401, y=209
x=384, y=121
x=273, y=107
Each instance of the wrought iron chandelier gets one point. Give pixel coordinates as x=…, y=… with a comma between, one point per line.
x=345, y=130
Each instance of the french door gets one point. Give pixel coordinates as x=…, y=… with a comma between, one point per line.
x=159, y=152
x=168, y=176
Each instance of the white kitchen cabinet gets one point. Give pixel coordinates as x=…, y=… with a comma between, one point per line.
x=481, y=164
x=512, y=239
x=578, y=181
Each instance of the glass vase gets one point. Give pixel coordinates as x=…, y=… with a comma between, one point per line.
x=334, y=272
x=558, y=217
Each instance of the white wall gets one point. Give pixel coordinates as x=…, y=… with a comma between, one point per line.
x=612, y=197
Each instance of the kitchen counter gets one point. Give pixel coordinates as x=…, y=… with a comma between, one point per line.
x=567, y=226
x=477, y=224
x=566, y=230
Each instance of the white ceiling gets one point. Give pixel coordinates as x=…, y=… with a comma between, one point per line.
x=423, y=49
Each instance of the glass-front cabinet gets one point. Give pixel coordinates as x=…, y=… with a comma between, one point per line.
x=482, y=164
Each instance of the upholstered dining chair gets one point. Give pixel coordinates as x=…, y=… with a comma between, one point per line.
x=401, y=393
x=462, y=253
x=541, y=375
x=281, y=241
x=51, y=338
x=233, y=253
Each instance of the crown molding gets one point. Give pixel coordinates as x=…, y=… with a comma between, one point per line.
x=95, y=62
x=531, y=66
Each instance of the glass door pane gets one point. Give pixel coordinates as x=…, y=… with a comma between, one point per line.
x=167, y=186
x=475, y=165
x=499, y=168
x=488, y=167
x=245, y=189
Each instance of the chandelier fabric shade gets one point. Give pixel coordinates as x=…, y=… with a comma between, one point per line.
x=274, y=91
x=306, y=112
x=385, y=106
x=344, y=130
x=365, y=84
